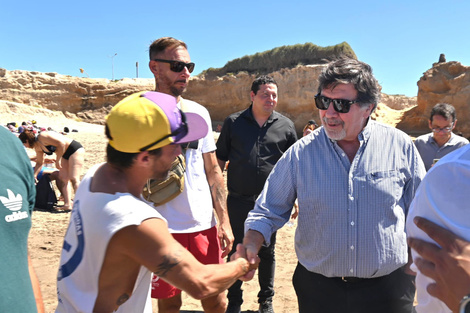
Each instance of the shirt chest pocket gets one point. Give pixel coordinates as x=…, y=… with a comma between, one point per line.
x=384, y=187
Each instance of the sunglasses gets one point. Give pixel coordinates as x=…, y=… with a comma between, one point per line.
x=178, y=133
x=340, y=105
x=178, y=66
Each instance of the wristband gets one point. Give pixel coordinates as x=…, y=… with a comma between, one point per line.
x=465, y=304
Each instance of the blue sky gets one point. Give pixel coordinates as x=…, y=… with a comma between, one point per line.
x=399, y=39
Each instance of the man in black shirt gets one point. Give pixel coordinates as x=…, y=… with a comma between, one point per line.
x=252, y=141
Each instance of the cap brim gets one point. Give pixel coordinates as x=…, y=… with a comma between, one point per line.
x=197, y=128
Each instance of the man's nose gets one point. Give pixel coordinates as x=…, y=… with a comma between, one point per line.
x=331, y=110
x=186, y=72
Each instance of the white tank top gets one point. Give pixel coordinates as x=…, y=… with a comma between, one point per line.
x=95, y=218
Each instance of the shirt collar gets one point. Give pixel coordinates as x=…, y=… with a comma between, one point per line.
x=366, y=132
x=271, y=118
x=450, y=142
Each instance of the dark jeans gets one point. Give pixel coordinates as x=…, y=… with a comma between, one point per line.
x=238, y=209
x=393, y=293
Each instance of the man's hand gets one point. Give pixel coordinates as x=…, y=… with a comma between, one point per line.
x=253, y=262
x=448, y=265
x=296, y=211
x=226, y=238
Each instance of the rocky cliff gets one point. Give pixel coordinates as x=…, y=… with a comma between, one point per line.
x=80, y=96
x=90, y=99
x=447, y=82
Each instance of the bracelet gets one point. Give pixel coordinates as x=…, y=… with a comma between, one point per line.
x=465, y=304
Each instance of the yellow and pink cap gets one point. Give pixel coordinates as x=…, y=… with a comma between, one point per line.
x=150, y=120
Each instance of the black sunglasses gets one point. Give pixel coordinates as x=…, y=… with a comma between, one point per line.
x=178, y=66
x=178, y=133
x=340, y=105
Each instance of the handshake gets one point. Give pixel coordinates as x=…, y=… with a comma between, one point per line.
x=252, y=262
x=248, y=251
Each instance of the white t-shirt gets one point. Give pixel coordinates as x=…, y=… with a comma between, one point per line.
x=442, y=197
x=95, y=218
x=192, y=210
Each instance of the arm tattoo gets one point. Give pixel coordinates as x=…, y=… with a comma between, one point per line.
x=123, y=298
x=217, y=191
x=168, y=263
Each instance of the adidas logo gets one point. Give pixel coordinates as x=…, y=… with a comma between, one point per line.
x=13, y=203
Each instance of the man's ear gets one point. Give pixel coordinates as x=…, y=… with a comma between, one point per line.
x=252, y=95
x=368, y=111
x=143, y=158
x=455, y=123
x=153, y=66
x=430, y=124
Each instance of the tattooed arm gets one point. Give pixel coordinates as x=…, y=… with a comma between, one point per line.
x=219, y=200
x=167, y=264
x=176, y=265
x=150, y=244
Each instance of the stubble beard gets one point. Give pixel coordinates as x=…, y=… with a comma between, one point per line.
x=166, y=86
x=177, y=92
x=334, y=134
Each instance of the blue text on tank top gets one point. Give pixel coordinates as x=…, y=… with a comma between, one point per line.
x=71, y=265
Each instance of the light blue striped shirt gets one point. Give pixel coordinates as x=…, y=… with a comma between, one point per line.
x=351, y=214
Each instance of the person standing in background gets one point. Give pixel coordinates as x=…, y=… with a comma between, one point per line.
x=252, y=141
x=441, y=140
x=309, y=128
x=190, y=215
x=70, y=158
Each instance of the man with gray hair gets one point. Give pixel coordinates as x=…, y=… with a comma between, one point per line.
x=441, y=140
x=354, y=180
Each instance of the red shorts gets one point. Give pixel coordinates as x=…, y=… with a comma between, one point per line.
x=203, y=245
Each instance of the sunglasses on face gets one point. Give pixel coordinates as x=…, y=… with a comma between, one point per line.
x=340, y=105
x=178, y=66
x=178, y=133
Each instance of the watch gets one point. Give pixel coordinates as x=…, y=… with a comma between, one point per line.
x=465, y=304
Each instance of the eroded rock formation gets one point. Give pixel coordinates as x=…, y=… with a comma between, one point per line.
x=444, y=83
x=81, y=96
x=91, y=99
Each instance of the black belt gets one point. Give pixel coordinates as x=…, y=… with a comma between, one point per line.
x=237, y=195
x=353, y=279
x=347, y=279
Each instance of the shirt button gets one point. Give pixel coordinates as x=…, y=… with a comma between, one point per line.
x=352, y=223
x=351, y=271
x=351, y=198
x=352, y=247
